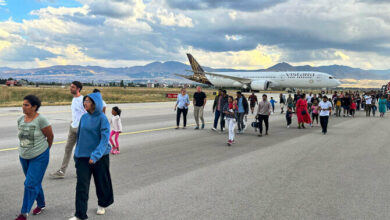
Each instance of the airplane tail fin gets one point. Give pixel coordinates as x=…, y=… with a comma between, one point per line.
x=198, y=70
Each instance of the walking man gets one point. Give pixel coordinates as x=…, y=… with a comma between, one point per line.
x=253, y=101
x=325, y=107
x=219, y=102
x=263, y=113
x=199, y=101
x=77, y=111
x=243, y=110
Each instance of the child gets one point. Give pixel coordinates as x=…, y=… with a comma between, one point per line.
x=289, y=116
x=338, y=107
x=230, y=110
x=314, y=112
x=116, y=128
x=353, y=108
x=272, y=101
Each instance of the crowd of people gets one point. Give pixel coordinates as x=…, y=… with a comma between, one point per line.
x=95, y=137
x=310, y=109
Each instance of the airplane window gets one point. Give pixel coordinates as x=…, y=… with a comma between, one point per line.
x=330, y=77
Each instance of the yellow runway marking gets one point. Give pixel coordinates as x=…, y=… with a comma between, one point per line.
x=125, y=133
x=68, y=111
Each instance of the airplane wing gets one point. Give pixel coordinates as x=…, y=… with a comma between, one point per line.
x=239, y=79
x=184, y=76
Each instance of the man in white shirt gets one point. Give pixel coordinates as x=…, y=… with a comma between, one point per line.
x=325, y=106
x=77, y=111
x=368, y=105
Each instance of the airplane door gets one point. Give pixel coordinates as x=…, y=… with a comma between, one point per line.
x=282, y=77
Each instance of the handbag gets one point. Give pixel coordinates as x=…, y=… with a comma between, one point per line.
x=303, y=112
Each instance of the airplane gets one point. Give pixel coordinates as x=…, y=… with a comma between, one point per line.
x=261, y=81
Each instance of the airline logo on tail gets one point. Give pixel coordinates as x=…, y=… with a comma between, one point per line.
x=199, y=75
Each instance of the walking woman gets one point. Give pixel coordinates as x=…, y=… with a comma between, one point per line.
x=182, y=103
x=302, y=112
x=35, y=138
x=230, y=109
x=382, y=105
x=92, y=157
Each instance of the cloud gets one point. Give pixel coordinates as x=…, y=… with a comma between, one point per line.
x=258, y=58
x=170, y=19
x=17, y=53
x=110, y=32
x=3, y=3
x=248, y=5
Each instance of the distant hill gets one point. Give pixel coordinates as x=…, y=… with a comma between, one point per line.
x=165, y=72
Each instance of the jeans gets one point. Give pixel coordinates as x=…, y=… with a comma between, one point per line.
x=179, y=112
x=34, y=169
x=265, y=119
x=314, y=116
x=368, y=109
x=102, y=178
x=219, y=114
x=70, y=143
x=288, y=119
x=241, y=125
x=338, y=111
x=198, y=113
x=324, y=123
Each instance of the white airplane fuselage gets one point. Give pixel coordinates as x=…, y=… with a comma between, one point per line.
x=280, y=80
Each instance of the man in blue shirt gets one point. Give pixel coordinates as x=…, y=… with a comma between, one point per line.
x=243, y=109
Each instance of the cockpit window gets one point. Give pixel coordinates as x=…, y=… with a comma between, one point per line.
x=330, y=77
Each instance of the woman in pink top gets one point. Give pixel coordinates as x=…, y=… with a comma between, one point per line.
x=314, y=112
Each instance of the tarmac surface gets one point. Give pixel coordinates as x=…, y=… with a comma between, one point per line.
x=163, y=173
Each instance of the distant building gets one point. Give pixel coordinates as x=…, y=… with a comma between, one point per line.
x=150, y=85
x=13, y=83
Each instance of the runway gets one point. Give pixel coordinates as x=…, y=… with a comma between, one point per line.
x=163, y=173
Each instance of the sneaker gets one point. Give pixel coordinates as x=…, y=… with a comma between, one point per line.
x=100, y=211
x=74, y=218
x=266, y=133
x=233, y=142
x=288, y=126
x=58, y=175
x=229, y=143
x=38, y=210
x=21, y=217
x=112, y=150
x=260, y=135
x=202, y=126
x=196, y=128
x=214, y=129
x=117, y=152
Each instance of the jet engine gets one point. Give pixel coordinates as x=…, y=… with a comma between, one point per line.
x=260, y=85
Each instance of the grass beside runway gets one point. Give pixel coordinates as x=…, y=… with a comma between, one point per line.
x=13, y=96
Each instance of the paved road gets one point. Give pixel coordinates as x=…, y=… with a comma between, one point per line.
x=164, y=173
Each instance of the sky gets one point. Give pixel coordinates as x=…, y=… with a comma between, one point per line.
x=245, y=34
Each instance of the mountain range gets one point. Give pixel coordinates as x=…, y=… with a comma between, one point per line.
x=165, y=72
